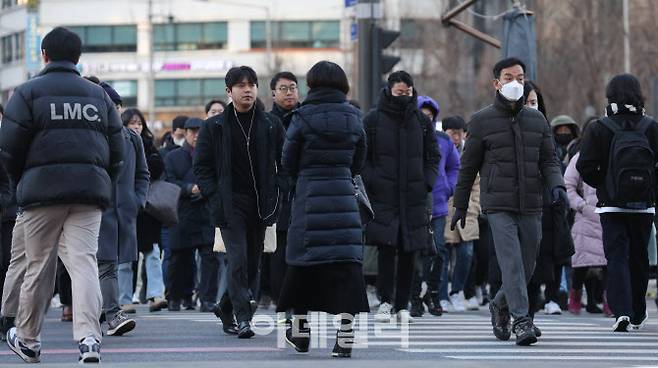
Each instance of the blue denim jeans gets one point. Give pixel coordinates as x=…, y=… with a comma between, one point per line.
x=125, y=279
x=166, y=252
x=461, y=268
x=154, y=280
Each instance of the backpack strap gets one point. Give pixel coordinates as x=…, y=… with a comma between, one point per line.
x=643, y=125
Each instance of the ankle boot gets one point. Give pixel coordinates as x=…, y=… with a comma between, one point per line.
x=434, y=308
x=575, y=301
x=417, y=309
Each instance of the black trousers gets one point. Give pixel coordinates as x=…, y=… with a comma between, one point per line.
x=278, y=265
x=181, y=272
x=64, y=284
x=479, y=272
x=388, y=278
x=243, y=240
x=625, y=239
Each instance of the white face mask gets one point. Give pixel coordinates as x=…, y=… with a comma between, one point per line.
x=512, y=91
x=535, y=106
x=179, y=142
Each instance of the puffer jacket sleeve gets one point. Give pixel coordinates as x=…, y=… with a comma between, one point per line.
x=16, y=134
x=471, y=162
x=591, y=165
x=142, y=176
x=6, y=190
x=292, y=147
x=432, y=157
x=115, y=139
x=204, y=161
x=549, y=164
x=571, y=179
x=359, y=153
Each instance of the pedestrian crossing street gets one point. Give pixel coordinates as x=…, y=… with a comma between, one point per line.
x=468, y=336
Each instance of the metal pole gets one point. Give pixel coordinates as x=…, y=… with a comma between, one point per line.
x=627, y=39
x=365, y=62
x=151, y=73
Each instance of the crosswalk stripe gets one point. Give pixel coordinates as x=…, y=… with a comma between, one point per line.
x=552, y=357
x=527, y=350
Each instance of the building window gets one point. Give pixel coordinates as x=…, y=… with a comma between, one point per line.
x=11, y=47
x=127, y=89
x=188, y=92
x=297, y=34
x=107, y=38
x=8, y=3
x=190, y=36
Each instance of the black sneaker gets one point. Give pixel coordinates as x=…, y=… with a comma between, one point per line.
x=90, y=350
x=500, y=321
x=525, y=332
x=173, y=306
x=6, y=323
x=344, y=343
x=120, y=325
x=299, y=339
x=245, y=331
x=621, y=324
x=27, y=354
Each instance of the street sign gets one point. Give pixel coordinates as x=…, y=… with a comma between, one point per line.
x=32, y=43
x=350, y=3
x=354, y=31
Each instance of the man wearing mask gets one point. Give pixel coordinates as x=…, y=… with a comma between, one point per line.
x=401, y=168
x=512, y=148
x=63, y=189
x=176, y=138
x=285, y=94
x=238, y=166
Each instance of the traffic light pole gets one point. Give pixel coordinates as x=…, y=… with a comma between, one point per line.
x=366, y=18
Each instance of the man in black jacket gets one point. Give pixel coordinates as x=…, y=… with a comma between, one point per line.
x=285, y=94
x=626, y=218
x=401, y=168
x=237, y=164
x=512, y=148
x=61, y=142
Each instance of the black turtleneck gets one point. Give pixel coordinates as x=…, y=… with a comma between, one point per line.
x=243, y=181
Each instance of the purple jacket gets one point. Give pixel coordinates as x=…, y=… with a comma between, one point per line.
x=445, y=184
x=448, y=166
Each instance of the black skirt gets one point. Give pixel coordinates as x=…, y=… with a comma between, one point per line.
x=333, y=288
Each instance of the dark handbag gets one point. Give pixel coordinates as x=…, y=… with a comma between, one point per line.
x=162, y=202
x=563, y=247
x=365, y=208
x=430, y=250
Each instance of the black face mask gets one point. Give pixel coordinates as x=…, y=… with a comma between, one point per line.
x=563, y=139
x=402, y=100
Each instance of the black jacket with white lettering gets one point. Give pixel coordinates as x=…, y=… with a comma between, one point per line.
x=61, y=140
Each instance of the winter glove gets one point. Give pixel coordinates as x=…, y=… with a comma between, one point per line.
x=559, y=194
x=459, y=216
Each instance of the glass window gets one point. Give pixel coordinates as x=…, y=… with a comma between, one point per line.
x=12, y=48
x=8, y=3
x=298, y=34
x=188, y=92
x=127, y=89
x=190, y=36
x=107, y=38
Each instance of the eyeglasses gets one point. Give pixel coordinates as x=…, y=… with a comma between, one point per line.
x=286, y=89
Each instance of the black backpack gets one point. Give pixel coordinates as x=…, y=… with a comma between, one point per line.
x=630, y=179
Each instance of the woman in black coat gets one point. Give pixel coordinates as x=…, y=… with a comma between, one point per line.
x=148, y=227
x=324, y=149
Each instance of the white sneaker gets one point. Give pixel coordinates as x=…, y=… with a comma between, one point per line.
x=457, y=302
x=446, y=306
x=472, y=304
x=552, y=308
x=404, y=316
x=478, y=295
x=621, y=324
x=384, y=313
x=371, y=293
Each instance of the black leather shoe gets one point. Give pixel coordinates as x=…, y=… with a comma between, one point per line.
x=344, y=343
x=228, y=322
x=244, y=330
x=173, y=306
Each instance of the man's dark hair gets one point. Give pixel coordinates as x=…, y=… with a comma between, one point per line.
x=282, y=75
x=178, y=122
x=61, y=44
x=453, y=122
x=237, y=74
x=506, y=63
x=400, y=77
x=214, y=101
x=624, y=89
x=329, y=75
